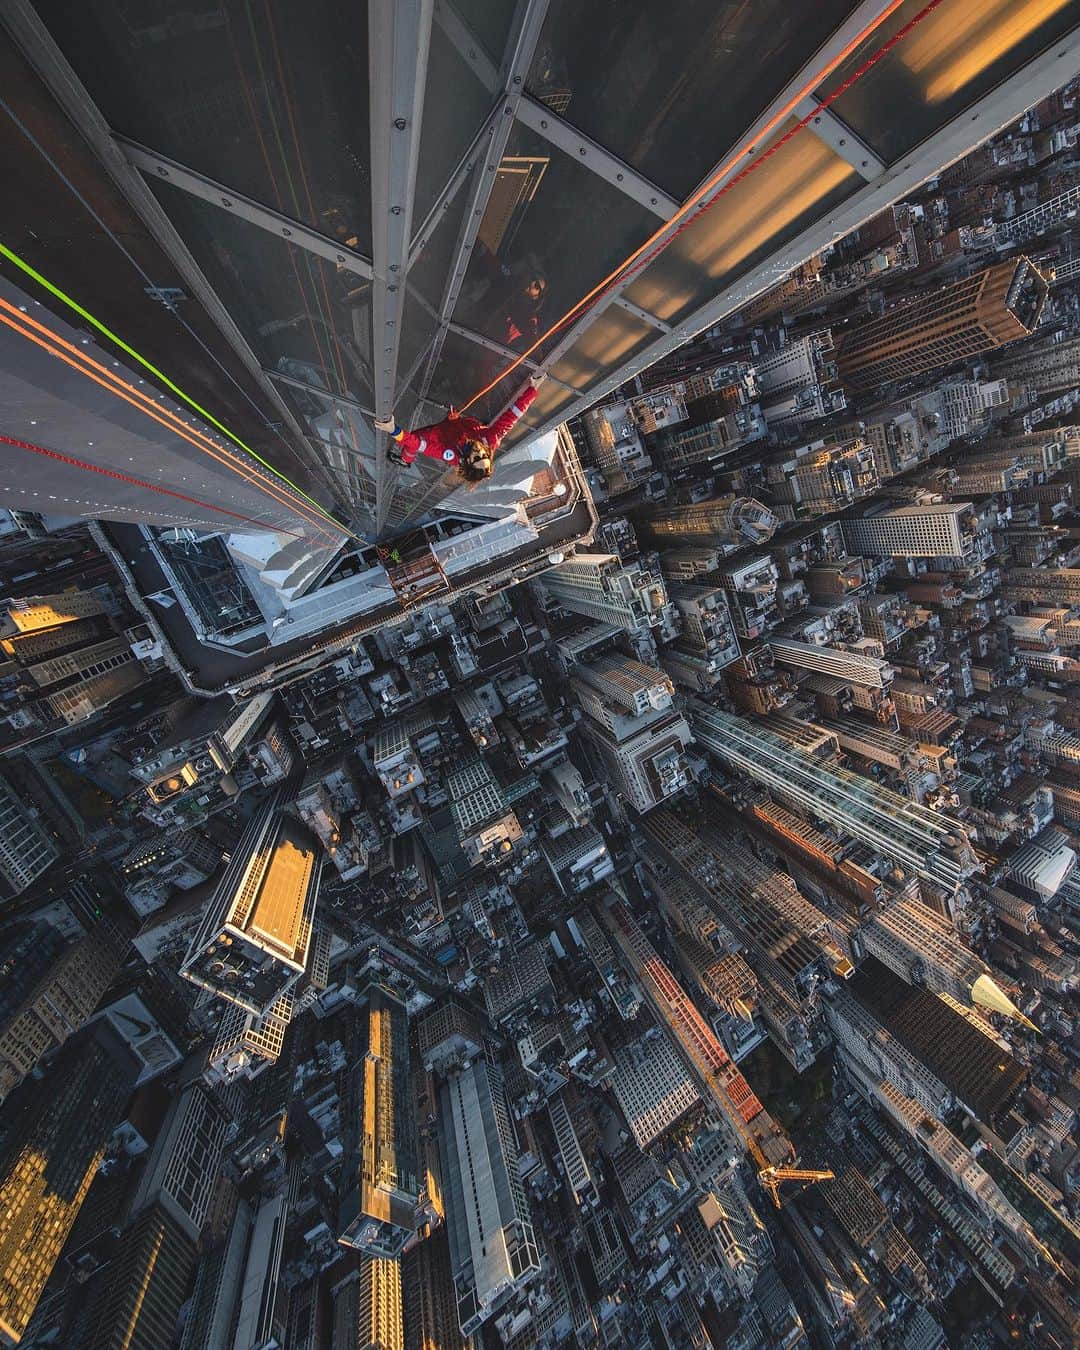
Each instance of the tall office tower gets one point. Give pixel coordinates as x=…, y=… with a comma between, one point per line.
x=724, y=522
x=798, y=383
x=210, y=751
x=824, y=476
x=975, y=1070
x=58, y=1003
x=245, y=1045
x=633, y=729
x=629, y=595
x=54, y=1144
x=854, y=667
x=748, y=1123
x=253, y=942
x=377, y=1190
x=719, y=423
x=920, y=840
x=950, y=324
x=929, y=530
x=146, y=1284
x=652, y=1085
x=616, y=448
x=430, y=1307
x=923, y=948
x=26, y=851
x=493, y=1249
x=578, y=858
x=707, y=643
x=367, y=1307
x=786, y=939
x=181, y=1174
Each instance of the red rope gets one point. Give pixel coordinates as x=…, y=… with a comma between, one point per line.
x=135, y=482
x=631, y=265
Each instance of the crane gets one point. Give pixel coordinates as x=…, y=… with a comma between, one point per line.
x=729, y=1090
x=770, y=1178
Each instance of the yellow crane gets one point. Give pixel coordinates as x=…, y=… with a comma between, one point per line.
x=771, y=1177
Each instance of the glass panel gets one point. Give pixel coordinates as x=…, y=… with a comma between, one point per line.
x=615, y=337
x=552, y=230
x=951, y=59
x=300, y=314
x=551, y=398
x=455, y=106
x=489, y=20
x=423, y=300
x=793, y=188
x=670, y=87
x=271, y=101
x=465, y=367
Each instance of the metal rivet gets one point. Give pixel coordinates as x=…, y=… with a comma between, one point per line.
x=842, y=141
x=395, y=210
x=285, y=231
x=581, y=150
x=652, y=201
x=225, y=201
x=164, y=172
x=864, y=163
x=817, y=121
x=618, y=177
x=341, y=257
x=543, y=125
x=400, y=123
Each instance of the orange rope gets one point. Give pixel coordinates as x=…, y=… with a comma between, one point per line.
x=23, y=324
x=635, y=261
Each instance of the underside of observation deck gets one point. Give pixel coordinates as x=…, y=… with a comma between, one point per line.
x=306, y=215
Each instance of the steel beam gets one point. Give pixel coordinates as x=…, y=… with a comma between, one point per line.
x=539, y=118
x=840, y=139
x=1035, y=81
x=508, y=352
x=159, y=166
x=467, y=46
x=642, y=314
x=525, y=34
x=455, y=183
x=399, y=36
x=55, y=72
x=736, y=158
x=327, y=394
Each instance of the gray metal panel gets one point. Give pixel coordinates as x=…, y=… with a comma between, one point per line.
x=399, y=35
x=33, y=40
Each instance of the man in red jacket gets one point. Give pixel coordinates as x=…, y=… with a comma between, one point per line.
x=462, y=443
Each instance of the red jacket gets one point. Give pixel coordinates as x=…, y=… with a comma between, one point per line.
x=443, y=440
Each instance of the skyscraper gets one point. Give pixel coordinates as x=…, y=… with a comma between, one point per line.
x=921, y=840
x=957, y=321
x=54, y=1145
x=378, y=1187
x=493, y=1249
x=252, y=945
x=928, y=530
x=601, y=586
x=26, y=851
x=724, y=522
x=144, y=1288
x=633, y=728
x=59, y=1002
